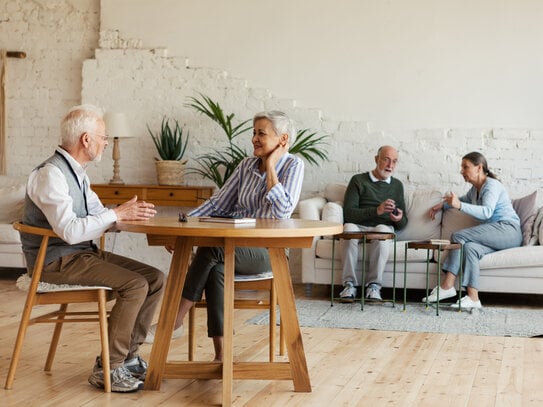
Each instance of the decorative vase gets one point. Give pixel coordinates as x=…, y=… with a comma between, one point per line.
x=170, y=172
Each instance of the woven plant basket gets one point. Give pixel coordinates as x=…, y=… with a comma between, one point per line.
x=170, y=172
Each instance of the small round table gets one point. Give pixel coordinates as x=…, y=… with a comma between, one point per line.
x=366, y=237
x=430, y=245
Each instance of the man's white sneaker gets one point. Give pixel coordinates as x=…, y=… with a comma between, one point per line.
x=373, y=292
x=348, y=294
x=122, y=380
x=467, y=303
x=443, y=294
x=150, y=338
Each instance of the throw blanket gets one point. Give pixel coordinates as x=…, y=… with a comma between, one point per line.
x=23, y=284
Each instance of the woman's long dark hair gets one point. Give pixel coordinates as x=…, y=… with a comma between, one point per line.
x=477, y=158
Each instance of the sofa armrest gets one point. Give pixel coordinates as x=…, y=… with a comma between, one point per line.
x=311, y=208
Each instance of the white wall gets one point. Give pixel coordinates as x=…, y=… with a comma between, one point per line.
x=56, y=36
x=399, y=64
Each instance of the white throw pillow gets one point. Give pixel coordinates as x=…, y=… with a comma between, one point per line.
x=332, y=212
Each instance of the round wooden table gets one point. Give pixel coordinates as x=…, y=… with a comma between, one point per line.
x=274, y=234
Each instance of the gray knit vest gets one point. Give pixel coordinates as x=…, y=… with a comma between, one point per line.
x=32, y=215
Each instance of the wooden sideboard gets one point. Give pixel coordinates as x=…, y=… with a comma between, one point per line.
x=160, y=195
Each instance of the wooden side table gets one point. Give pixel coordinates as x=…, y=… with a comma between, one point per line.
x=160, y=195
x=429, y=247
x=366, y=237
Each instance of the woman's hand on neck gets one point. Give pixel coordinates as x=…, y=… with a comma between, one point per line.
x=269, y=162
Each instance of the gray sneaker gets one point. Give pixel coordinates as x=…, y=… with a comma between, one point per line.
x=121, y=379
x=373, y=292
x=348, y=294
x=137, y=367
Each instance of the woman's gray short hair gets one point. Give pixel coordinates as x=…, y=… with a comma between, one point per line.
x=80, y=119
x=281, y=123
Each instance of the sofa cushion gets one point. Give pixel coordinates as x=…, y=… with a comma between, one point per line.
x=526, y=210
x=516, y=257
x=8, y=235
x=335, y=192
x=454, y=220
x=12, y=193
x=419, y=225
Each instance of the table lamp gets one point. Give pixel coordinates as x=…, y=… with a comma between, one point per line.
x=116, y=127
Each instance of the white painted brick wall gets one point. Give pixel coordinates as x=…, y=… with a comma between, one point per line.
x=56, y=36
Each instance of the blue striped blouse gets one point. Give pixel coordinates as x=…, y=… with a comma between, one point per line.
x=244, y=193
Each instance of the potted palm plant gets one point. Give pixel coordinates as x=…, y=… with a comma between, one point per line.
x=218, y=165
x=171, y=145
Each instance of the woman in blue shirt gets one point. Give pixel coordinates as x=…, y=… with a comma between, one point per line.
x=488, y=202
x=267, y=185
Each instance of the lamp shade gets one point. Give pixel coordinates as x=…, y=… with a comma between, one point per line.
x=117, y=125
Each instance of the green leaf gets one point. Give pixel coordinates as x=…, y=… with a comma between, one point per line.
x=169, y=143
x=310, y=146
x=219, y=165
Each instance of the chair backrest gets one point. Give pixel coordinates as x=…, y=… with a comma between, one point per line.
x=25, y=282
x=38, y=265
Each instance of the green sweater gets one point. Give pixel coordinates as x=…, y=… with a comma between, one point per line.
x=363, y=196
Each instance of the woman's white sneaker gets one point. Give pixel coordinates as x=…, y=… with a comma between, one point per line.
x=467, y=303
x=443, y=294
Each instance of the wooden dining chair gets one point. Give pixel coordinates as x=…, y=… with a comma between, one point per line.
x=260, y=283
x=41, y=294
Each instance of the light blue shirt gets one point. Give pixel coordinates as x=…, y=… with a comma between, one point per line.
x=244, y=193
x=492, y=204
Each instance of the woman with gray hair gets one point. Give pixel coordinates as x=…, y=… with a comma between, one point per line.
x=266, y=185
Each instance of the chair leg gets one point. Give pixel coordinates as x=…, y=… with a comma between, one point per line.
x=273, y=319
x=55, y=338
x=25, y=321
x=192, y=334
x=104, y=338
x=282, y=341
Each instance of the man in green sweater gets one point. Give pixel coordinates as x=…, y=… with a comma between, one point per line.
x=374, y=202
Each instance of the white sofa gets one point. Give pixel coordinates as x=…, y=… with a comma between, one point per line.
x=12, y=192
x=516, y=270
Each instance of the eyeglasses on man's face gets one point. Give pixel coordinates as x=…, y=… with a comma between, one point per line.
x=105, y=137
